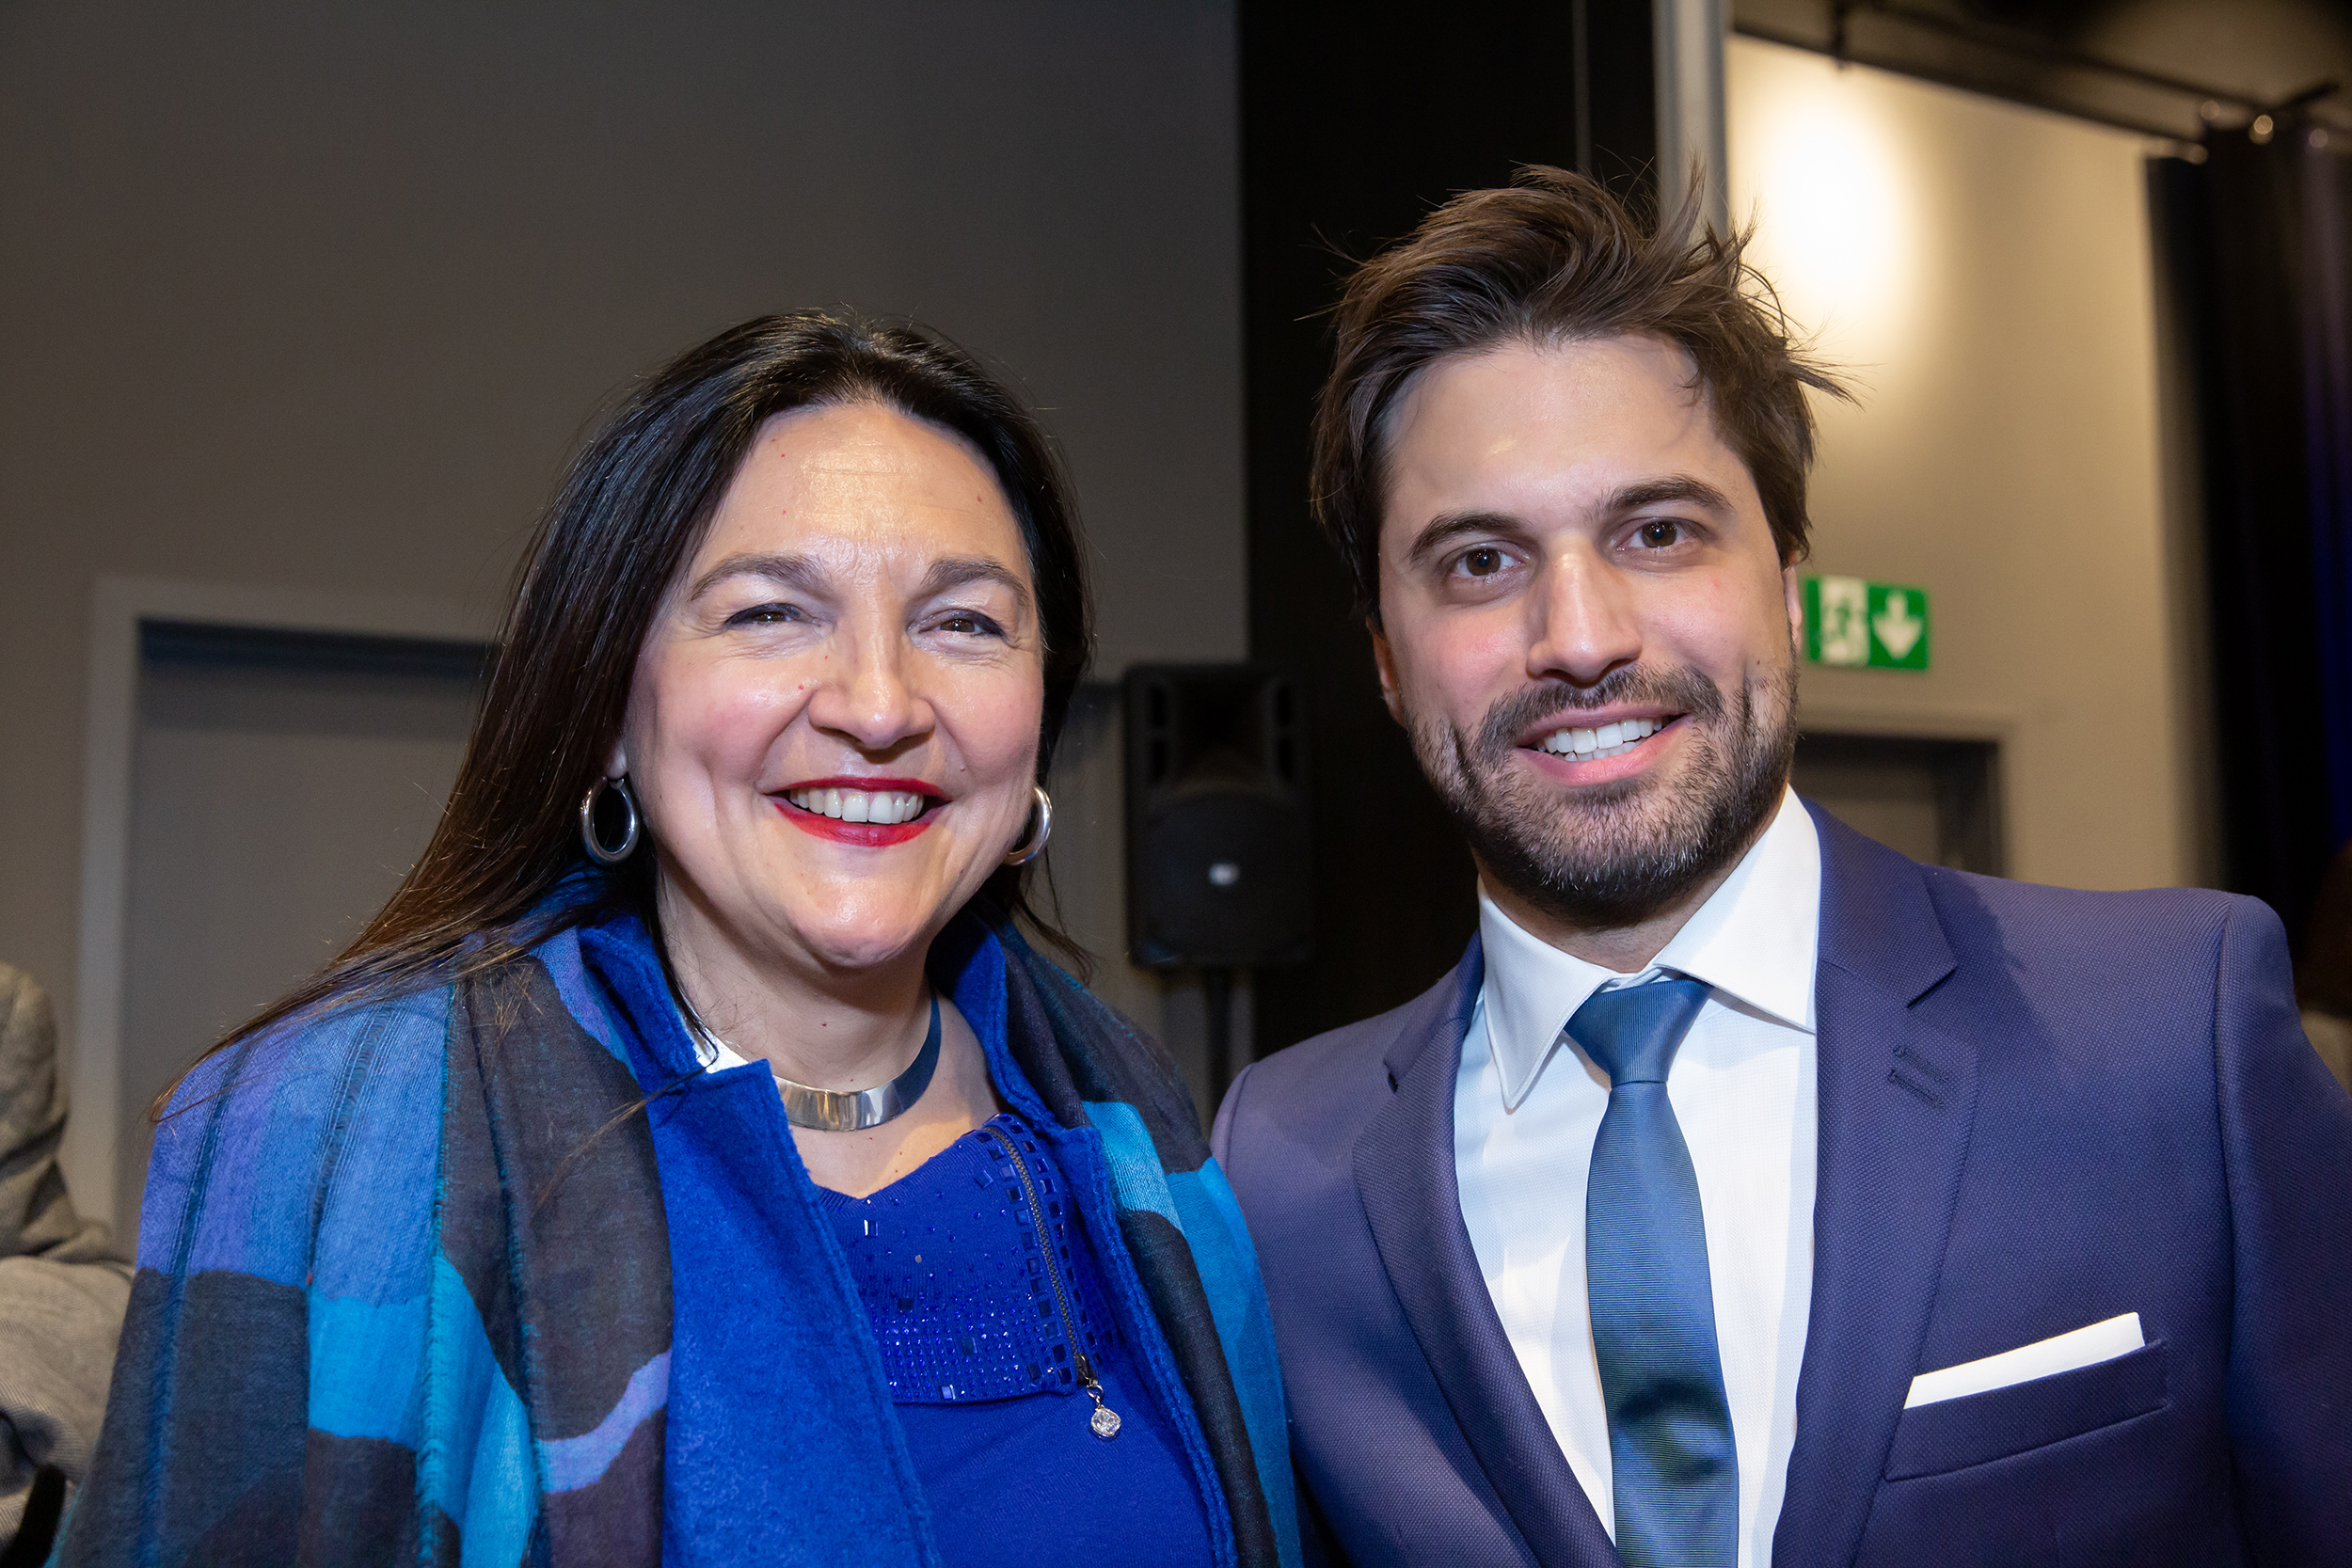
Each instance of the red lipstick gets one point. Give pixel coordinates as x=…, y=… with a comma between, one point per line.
x=872, y=835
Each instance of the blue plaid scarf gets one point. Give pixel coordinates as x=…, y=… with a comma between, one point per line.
x=404, y=1293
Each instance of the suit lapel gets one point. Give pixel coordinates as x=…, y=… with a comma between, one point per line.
x=1896, y=1100
x=1404, y=1175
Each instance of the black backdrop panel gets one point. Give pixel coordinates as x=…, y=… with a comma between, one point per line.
x=1357, y=119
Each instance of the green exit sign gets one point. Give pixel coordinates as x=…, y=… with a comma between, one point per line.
x=1878, y=625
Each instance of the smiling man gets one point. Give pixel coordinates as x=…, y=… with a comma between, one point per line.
x=1749, y=1193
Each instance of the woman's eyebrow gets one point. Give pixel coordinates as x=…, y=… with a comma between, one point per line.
x=794, y=571
x=956, y=570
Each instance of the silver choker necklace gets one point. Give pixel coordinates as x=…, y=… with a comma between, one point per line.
x=827, y=1111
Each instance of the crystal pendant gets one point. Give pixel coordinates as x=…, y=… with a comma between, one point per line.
x=1105, y=1422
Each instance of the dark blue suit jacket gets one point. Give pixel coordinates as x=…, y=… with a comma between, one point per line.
x=2039, y=1109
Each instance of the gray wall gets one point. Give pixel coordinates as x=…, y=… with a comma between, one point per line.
x=319, y=297
x=1984, y=275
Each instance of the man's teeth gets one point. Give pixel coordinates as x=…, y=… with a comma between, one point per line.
x=1608, y=740
x=858, y=805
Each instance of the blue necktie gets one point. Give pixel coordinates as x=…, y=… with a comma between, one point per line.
x=1675, y=1475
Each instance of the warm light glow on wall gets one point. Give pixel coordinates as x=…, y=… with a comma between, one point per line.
x=1817, y=165
x=1980, y=274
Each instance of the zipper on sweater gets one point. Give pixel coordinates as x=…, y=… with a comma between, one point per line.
x=1104, y=1421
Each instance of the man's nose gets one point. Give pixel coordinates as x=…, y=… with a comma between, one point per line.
x=1586, y=622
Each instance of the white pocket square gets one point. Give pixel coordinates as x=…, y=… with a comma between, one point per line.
x=2083, y=1347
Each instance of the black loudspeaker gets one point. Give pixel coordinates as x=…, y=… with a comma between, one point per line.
x=1218, y=867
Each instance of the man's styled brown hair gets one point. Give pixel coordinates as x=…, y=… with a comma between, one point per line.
x=1552, y=258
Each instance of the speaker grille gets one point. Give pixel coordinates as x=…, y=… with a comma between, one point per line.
x=1218, y=867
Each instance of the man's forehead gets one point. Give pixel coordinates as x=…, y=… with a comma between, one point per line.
x=1586, y=413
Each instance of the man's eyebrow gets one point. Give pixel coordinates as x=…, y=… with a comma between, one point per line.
x=1446, y=527
x=954, y=571
x=793, y=571
x=1665, y=492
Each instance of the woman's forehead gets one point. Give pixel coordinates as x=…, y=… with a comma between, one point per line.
x=862, y=481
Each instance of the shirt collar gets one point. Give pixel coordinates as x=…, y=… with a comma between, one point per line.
x=1754, y=939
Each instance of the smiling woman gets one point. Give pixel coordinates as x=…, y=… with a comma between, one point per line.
x=693, y=1161
x=850, y=663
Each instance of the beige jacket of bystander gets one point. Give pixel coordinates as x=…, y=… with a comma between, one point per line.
x=63, y=1285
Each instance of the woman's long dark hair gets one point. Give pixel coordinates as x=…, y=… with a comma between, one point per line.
x=628, y=517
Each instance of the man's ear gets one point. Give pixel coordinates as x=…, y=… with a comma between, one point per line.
x=1385, y=662
x=1792, y=591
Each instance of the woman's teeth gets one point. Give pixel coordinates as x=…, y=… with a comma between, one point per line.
x=1608, y=740
x=858, y=805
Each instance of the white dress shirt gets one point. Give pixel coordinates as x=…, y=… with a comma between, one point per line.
x=1528, y=1103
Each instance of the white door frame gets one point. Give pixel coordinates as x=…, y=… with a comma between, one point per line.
x=121, y=606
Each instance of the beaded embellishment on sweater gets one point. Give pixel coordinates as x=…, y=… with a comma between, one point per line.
x=946, y=1260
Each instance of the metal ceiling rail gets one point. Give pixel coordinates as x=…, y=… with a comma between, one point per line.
x=2031, y=49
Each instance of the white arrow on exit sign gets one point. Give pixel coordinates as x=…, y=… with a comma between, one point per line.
x=1897, y=629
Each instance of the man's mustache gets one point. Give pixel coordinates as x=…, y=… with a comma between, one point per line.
x=1681, y=688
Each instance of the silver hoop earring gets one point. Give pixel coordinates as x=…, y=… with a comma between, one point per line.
x=1034, y=844
x=627, y=846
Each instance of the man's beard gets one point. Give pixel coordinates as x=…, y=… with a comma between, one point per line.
x=1613, y=855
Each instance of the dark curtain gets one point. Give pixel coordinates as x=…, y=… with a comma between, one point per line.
x=2256, y=242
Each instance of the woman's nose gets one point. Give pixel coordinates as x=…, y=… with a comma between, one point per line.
x=867, y=698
